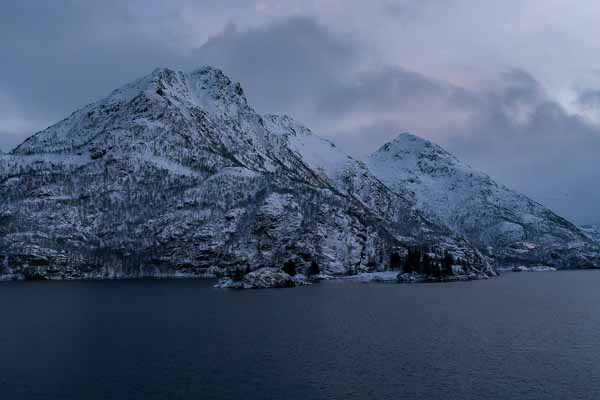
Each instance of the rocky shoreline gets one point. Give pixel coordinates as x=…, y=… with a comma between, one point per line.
x=275, y=278
x=526, y=268
x=262, y=278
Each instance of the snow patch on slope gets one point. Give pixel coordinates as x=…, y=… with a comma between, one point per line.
x=318, y=153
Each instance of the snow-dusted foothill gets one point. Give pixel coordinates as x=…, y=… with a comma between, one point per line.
x=176, y=175
x=503, y=224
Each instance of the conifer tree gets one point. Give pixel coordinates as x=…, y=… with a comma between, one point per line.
x=314, y=268
x=395, y=261
x=289, y=267
x=427, y=265
x=238, y=275
x=447, y=263
x=413, y=260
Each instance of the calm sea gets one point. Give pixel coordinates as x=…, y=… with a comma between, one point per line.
x=520, y=336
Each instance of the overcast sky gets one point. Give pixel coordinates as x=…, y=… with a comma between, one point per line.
x=512, y=87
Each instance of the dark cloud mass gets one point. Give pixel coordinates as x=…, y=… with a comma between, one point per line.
x=530, y=142
x=283, y=66
x=510, y=127
x=350, y=81
x=59, y=57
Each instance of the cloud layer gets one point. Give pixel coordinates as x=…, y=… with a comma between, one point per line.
x=506, y=86
x=508, y=126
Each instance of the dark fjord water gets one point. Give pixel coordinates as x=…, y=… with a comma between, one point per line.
x=520, y=336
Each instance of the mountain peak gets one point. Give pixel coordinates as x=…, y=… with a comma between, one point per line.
x=404, y=141
x=407, y=136
x=163, y=71
x=410, y=148
x=207, y=89
x=200, y=87
x=213, y=80
x=210, y=72
x=159, y=82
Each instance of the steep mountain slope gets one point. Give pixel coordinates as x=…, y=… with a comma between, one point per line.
x=506, y=224
x=175, y=174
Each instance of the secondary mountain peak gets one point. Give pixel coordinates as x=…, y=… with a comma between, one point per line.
x=409, y=157
x=408, y=136
x=401, y=142
x=409, y=143
x=512, y=227
x=407, y=139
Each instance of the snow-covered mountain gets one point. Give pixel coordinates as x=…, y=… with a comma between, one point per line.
x=503, y=223
x=175, y=174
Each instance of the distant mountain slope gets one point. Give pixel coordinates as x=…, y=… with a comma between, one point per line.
x=507, y=224
x=175, y=174
x=592, y=231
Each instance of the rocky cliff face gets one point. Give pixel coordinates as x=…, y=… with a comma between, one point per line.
x=504, y=224
x=176, y=175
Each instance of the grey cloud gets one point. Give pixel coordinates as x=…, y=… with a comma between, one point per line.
x=589, y=99
x=542, y=149
x=299, y=67
x=409, y=11
x=397, y=98
x=389, y=87
x=509, y=127
x=517, y=87
x=368, y=137
x=283, y=66
x=512, y=128
x=59, y=56
x=59, y=64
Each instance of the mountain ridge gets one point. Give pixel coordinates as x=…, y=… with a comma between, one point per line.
x=175, y=174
